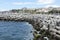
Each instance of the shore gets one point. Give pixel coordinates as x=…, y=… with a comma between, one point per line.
x=46, y=26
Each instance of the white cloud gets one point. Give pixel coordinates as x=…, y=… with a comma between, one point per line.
x=46, y=1
x=3, y=9
x=38, y=2
x=17, y=3
x=51, y=6
x=22, y=3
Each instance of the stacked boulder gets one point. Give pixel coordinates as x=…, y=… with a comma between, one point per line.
x=50, y=24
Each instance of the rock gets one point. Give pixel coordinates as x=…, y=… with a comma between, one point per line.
x=46, y=38
x=39, y=21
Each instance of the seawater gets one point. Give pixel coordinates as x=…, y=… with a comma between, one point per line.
x=11, y=30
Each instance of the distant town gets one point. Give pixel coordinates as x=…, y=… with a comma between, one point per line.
x=48, y=10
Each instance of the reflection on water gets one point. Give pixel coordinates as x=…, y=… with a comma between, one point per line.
x=15, y=30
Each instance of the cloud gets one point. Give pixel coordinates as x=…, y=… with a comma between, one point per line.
x=38, y=2
x=51, y=6
x=46, y=1
x=22, y=3
x=3, y=9
x=25, y=3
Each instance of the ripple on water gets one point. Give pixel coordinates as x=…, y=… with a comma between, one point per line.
x=10, y=30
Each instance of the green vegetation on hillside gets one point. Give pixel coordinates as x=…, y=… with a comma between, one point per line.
x=35, y=11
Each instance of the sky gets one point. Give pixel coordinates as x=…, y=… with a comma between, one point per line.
x=17, y=4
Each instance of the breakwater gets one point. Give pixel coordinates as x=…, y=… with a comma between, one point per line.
x=46, y=26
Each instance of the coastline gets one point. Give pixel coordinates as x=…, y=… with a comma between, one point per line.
x=44, y=24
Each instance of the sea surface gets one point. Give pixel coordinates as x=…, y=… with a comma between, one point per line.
x=11, y=30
